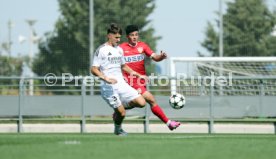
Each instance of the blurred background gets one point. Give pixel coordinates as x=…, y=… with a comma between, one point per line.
x=55, y=35
x=61, y=36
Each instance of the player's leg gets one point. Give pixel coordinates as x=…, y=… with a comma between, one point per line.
x=118, y=117
x=157, y=110
x=131, y=98
x=111, y=96
x=138, y=102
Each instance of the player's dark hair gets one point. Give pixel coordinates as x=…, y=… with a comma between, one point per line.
x=131, y=28
x=114, y=29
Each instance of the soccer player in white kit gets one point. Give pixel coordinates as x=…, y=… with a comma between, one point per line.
x=108, y=64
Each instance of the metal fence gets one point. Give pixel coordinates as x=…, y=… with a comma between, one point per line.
x=27, y=98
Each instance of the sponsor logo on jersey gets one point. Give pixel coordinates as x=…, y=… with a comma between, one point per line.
x=115, y=60
x=109, y=54
x=134, y=58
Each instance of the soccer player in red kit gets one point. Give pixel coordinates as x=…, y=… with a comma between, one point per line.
x=135, y=52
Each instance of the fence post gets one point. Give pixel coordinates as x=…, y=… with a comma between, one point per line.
x=146, y=121
x=274, y=123
x=147, y=114
x=202, y=87
x=211, y=111
x=20, y=105
x=261, y=98
x=83, y=94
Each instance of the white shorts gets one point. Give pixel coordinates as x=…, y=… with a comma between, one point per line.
x=116, y=94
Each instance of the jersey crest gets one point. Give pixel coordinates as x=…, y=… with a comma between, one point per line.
x=140, y=50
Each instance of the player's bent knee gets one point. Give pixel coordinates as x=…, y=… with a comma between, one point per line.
x=122, y=113
x=152, y=101
x=149, y=98
x=142, y=102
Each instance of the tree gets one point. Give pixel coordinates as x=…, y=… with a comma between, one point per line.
x=10, y=66
x=66, y=49
x=248, y=25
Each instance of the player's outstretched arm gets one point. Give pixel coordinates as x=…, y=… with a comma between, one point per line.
x=96, y=72
x=127, y=69
x=159, y=57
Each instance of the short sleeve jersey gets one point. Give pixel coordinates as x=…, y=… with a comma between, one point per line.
x=135, y=56
x=109, y=59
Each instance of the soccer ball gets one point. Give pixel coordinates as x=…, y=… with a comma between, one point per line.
x=177, y=101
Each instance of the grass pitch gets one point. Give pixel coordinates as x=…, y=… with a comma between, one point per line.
x=136, y=146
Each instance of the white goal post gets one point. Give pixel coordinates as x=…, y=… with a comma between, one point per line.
x=221, y=66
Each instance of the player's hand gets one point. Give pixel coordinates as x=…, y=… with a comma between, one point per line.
x=110, y=80
x=163, y=55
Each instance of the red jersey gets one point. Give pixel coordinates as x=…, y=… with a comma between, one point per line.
x=135, y=59
x=135, y=56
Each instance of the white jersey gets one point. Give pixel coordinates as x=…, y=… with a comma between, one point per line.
x=109, y=59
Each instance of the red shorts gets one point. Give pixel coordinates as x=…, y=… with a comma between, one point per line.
x=140, y=85
x=140, y=88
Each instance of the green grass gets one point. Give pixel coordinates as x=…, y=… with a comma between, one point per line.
x=140, y=146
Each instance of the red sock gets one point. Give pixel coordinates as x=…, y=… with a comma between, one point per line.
x=156, y=110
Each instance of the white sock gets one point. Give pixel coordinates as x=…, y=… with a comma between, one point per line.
x=168, y=123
